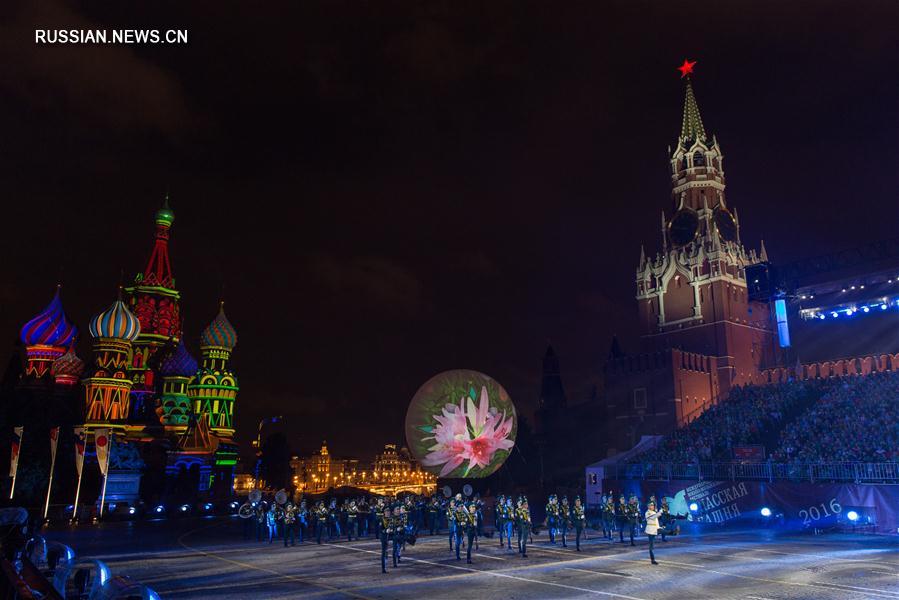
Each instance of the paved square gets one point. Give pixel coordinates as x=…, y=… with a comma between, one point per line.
x=209, y=559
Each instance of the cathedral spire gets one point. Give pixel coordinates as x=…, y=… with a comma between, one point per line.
x=691, y=126
x=159, y=270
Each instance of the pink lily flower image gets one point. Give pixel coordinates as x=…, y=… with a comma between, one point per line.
x=468, y=433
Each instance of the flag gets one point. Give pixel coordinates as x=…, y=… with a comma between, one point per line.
x=54, y=441
x=14, y=453
x=102, y=441
x=79, y=449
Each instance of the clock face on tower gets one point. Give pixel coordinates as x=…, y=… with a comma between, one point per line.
x=683, y=227
x=725, y=223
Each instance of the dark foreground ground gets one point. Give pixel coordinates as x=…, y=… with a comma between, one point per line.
x=209, y=559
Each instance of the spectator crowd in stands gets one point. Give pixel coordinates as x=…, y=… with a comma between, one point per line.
x=847, y=419
x=750, y=415
x=857, y=420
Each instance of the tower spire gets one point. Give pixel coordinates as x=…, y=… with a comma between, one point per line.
x=691, y=127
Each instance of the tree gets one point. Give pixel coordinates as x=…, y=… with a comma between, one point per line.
x=275, y=467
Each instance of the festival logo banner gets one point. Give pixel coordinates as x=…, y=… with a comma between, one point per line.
x=79, y=449
x=14, y=454
x=102, y=439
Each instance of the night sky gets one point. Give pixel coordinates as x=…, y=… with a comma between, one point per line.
x=384, y=190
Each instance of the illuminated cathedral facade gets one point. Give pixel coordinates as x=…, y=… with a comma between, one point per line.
x=142, y=382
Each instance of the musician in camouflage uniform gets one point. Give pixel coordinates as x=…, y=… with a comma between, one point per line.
x=400, y=520
x=633, y=517
x=608, y=516
x=523, y=522
x=579, y=517
x=552, y=517
x=564, y=520
x=385, y=519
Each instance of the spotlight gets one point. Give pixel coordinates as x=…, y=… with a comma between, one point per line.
x=766, y=512
x=821, y=317
x=843, y=290
x=234, y=505
x=694, y=507
x=853, y=287
x=848, y=311
x=184, y=508
x=883, y=307
x=159, y=509
x=207, y=506
x=132, y=510
x=852, y=516
x=866, y=309
x=834, y=315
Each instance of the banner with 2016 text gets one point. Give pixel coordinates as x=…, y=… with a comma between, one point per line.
x=802, y=505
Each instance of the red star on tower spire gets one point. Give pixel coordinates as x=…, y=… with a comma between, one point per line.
x=686, y=68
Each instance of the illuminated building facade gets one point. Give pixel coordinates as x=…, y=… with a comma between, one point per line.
x=392, y=471
x=321, y=471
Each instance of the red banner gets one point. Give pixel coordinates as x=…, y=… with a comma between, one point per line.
x=749, y=452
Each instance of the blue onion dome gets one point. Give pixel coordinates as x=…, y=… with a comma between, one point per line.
x=116, y=322
x=49, y=328
x=67, y=365
x=220, y=333
x=178, y=363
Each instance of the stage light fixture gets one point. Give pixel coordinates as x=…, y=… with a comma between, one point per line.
x=834, y=315
x=184, y=508
x=883, y=307
x=852, y=516
x=821, y=317
x=766, y=512
x=132, y=510
x=234, y=505
x=160, y=509
x=848, y=312
x=694, y=507
x=866, y=309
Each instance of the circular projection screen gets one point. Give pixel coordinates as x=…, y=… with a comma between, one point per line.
x=461, y=424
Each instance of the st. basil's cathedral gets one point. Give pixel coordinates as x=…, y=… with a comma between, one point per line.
x=142, y=383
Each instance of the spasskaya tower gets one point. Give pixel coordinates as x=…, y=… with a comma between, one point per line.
x=696, y=319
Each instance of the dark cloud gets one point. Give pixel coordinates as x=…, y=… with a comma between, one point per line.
x=391, y=189
x=109, y=88
x=368, y=279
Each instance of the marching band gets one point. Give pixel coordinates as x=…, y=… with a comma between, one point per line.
x=396, y=522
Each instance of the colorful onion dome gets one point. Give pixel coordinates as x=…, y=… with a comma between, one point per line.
x=115, y=322
x=49, y=328
x=220, y=333
x=67, y=365
x=179, y=363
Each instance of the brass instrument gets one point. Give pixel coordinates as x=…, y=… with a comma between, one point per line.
x=290, y=514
